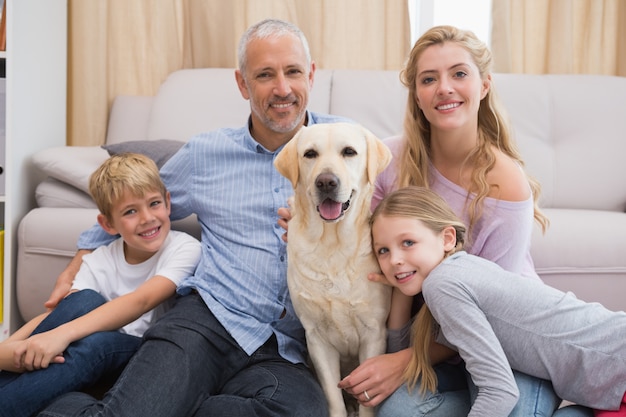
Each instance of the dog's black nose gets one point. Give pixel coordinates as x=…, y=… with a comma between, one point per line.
x=327, y=182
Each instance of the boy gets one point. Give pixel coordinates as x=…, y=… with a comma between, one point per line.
x=118, y=287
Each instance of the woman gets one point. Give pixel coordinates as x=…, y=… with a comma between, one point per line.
x=456, y=142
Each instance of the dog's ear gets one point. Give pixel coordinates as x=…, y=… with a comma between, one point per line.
x=286, y=162
x=378, y=156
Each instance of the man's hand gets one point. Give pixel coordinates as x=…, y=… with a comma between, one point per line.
x=284, y=215
x=60, y=290
x=378, y=277
x=65, y=279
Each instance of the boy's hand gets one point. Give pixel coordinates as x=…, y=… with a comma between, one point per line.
x=39, y=351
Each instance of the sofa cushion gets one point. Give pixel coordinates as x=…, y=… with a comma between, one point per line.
x=191, y=101
x=358, y=94
x=160, y=151
x=185, y=104
x=128, y=118
x=571, y=135
x=583, y=251
x=71, y=164
x=54, y=193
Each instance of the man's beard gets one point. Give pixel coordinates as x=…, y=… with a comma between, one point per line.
x=279, y=125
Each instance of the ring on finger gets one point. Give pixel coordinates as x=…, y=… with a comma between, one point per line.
x=366, y=395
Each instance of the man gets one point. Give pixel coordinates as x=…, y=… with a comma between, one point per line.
x=232, y=344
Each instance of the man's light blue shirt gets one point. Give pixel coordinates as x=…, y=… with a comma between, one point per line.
x=229, y=181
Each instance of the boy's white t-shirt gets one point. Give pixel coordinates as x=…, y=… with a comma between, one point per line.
x=106, y=271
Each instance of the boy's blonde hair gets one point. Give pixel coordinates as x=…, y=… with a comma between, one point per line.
x=493, y=127
x=422, y=204
x=126, y=172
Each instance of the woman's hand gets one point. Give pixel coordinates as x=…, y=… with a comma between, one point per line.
x=379, y=376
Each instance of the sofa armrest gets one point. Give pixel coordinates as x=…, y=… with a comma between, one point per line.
x=45, y=247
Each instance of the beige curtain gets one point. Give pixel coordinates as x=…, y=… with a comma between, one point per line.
x=129, y=47
x=559, y=36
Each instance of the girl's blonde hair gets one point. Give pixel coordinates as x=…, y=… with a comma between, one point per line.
x=434, y=212
x=126, y=172
x=493, y=128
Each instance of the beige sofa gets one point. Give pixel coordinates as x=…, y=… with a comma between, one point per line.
x=571, y=131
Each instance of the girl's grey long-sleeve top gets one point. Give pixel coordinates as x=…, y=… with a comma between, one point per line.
x=499, y=321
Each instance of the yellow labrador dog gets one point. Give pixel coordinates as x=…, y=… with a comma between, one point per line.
x=332, y=168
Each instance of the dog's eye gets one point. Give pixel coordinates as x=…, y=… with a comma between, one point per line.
x=349, y=152
x=310, y=154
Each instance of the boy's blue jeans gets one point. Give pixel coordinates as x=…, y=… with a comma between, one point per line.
x=189, y=364
x=86, y=361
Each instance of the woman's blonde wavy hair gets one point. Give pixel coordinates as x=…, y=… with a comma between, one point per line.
x=433, y=211
x=493, y=128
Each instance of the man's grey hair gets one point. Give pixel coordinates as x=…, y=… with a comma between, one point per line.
x=266, y=29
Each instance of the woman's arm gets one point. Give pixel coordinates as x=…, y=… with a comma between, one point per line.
x=400, y=310
x=380, y=376
x=504, y=236
x=465, y=326
x=383, y=374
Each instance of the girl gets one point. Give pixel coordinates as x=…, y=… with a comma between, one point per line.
x=495, y=319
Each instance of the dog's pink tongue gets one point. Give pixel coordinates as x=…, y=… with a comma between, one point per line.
x=329, y=209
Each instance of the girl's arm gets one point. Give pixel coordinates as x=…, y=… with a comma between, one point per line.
x=465, y=326
x=38, y=350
